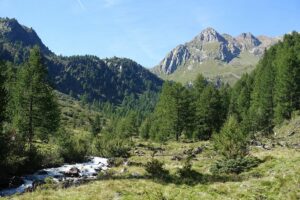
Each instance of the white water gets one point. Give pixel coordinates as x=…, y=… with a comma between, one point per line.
x=87, y=170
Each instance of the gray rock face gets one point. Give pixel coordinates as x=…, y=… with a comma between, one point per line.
x=246, y=41
x=210, y=45
x=175, y=58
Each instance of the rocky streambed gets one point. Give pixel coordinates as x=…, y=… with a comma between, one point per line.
x=70, y=173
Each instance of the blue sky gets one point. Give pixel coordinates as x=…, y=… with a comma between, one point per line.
x=145, y=30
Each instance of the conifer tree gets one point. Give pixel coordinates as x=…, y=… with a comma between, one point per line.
x=262, y=97
x=3, y=96
x=287, y=78
x=208, y=118
x=168, y=112
x=36, y=109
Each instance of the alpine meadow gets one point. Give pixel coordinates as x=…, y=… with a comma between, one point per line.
x=218, y=117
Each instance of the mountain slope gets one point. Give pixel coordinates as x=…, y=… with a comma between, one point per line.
x=96, y=79
x=214, y=55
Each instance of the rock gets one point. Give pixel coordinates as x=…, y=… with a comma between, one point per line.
x=177, y=158
x=73, y=172
x=197, y=150
x=281, y=143
x=136, y=175
x=139, y=153
x=255, y=143
x=111, y=162
x=37, y=183
x=188, y=151
x=123, y=170
x=15, y=182
x=140, y=145
x=291, y=133
x=209, y=45
x=266, y=147
x=296, y=146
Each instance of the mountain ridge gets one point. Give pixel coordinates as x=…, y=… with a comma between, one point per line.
x=109, y=79
x=211, y=46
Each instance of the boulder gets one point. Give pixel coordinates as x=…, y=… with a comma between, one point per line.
x=291, y=133
x=73, y=172
x=255, y=143
x=266, y=147
x=139, y=153
x=188, y=151
x=37, y=183
x=177, y=158
x=198, y=150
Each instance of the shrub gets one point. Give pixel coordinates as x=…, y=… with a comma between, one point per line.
x=155, y=169
x=109, y=145
x=115, y=162
x=107, y=174
x=231, y=142
x=186, y=170
x=49, y=155
x=74, y=146
x=235, y=166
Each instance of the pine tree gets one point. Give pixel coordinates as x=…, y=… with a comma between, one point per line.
x=287, y=82
x=168, y=121
x=261, y=111
x=187, y=111
x=199, y=84
x=208, y=118
x=145, y=127
x=3, y=96
x=36, y=109
x=231, y=142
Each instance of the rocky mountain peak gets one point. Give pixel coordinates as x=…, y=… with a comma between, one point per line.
x=210, y=46
x=209, y=35
x=13, y=32
x=247, y=41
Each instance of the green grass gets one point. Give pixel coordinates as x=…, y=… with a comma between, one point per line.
x=75, y=115
x=212, y=69
x=276, y=178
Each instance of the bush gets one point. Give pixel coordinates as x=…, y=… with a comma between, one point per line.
x=235, y=166
x=115, y=162
x=108, y=145
x=155, y=169
x=49, y=155
x=231, y=142
x=74, y=146
x=186, y=170
x=107, y=174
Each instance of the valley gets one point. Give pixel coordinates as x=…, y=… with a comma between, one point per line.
x=217, y=118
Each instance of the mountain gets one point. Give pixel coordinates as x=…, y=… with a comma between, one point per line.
x=215, y=55
x=109, y=79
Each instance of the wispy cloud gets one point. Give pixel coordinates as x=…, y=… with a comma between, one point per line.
x=81, y=4
x=111, y=3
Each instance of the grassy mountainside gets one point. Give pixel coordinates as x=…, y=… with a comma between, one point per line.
x=98, y=79
x=215, y=55
x=74, y=114
x=278, y=177
x=213, y=69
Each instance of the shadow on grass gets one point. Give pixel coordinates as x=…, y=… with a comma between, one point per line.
x=192, y=179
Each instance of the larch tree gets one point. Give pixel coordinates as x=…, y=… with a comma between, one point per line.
x=36, y=108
